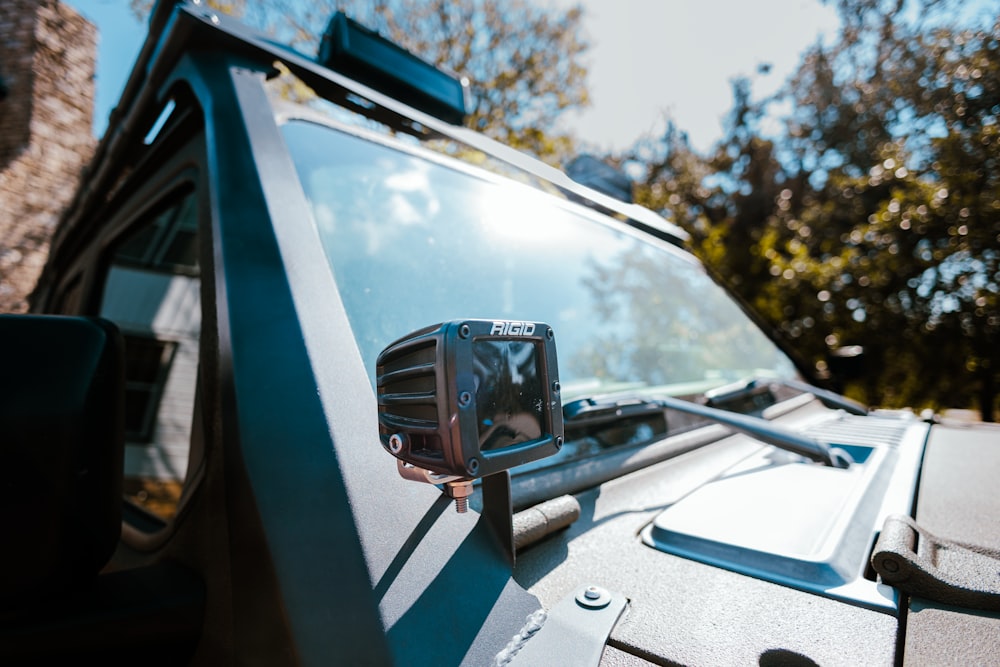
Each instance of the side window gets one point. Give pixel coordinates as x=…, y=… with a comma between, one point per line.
x=148, y=362
x=153, y=293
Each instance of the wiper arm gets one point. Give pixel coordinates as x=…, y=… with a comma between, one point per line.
x=768, y=432
x=830, y=399
x=589, y=411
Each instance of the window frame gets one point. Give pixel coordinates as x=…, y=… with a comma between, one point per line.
x=176, y=165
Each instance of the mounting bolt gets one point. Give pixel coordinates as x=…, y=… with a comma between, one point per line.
x=593, y=597
x=395, y=443
x=460, y=491
x=464, y=398
x=464, y=331
x=890, y=565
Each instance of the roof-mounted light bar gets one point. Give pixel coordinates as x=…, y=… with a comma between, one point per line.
x=355, y=51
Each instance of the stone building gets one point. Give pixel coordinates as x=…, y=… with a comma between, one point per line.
x=47, y=61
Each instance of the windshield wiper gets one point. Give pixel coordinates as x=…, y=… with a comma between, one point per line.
x=608, y=409
x=733, y=392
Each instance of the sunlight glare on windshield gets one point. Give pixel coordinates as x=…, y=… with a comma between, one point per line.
x=514, y=212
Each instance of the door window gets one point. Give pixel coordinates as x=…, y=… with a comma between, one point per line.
x=153, y=293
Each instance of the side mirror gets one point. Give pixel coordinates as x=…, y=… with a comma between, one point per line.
x=598, y=175
x=61, y=451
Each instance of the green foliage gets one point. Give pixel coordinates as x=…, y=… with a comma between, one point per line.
x=875, y=217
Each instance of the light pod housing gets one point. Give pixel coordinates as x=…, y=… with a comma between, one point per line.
x=369, y=58
x=470, y=398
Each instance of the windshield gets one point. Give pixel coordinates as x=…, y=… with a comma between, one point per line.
x=413, y=241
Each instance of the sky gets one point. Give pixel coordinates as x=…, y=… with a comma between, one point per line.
x=648, y=58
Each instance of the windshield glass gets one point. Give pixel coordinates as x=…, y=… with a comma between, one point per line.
x=413, y=241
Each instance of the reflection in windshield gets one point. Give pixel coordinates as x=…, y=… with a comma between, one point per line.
x=413, y=242
x=666, y=324
x=508, y=393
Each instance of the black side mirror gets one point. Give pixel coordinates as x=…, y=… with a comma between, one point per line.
x=61, y=451
x=598, y=175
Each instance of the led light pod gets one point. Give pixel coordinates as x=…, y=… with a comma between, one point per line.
x=470, y=398
x=362, y=54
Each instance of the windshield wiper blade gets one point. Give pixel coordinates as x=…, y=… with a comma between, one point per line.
x=607, y=409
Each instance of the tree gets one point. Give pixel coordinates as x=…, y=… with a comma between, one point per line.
x=523, y=59
x=897, y=127
x=723, y=200
x=875, y=216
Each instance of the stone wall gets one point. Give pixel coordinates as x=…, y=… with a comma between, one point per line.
x=47, y=61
